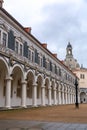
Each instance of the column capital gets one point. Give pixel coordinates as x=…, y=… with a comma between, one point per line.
x=8, y=78
x=24, y=82
x=49, y=88
x=54, y=89
x=42, y=86
x=35, y=85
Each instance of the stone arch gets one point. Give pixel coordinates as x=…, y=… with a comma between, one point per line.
x=16, y=68
x=57, y=92
x=39, y=88
x=39, y=85
x=17, y=74
x=4, y=64
x=4, y=73
x=83, y=97
x=47, y=86
x=62, y=88
x=52, y=89
x=30, y=78
x=64, y=92
x=31, y=72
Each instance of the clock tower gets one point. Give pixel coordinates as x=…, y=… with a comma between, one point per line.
x=69, y=51
x=70, y=61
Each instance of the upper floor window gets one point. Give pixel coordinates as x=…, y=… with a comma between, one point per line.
x=39, y=60
x=3, y=37
x=29, y=54
x=21, y=49
x=60, y=72
x=18, y=47
x=32, y=57
x=0, y=36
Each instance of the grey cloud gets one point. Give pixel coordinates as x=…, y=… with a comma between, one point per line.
x=63, y=23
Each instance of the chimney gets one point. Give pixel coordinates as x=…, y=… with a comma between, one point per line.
x=27, y=29
x=55, y=55
x=1, y=3
x=44, y=45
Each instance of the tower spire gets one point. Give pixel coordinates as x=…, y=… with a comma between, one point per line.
x=1, y=3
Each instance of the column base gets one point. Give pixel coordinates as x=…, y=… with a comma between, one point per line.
x=34, y=106
x=43, y=105
x=7, y=107
x=24, y=106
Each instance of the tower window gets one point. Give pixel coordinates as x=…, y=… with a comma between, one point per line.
x=82, y=76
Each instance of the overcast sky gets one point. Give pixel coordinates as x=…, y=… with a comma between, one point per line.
x=55, y=22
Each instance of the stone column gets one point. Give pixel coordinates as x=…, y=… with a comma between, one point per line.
x=59, y=97
x=49, y=96
x=55, y=96
x=63, y=97
x=71, y=98
x=34, y=95
x=43, y=96
x=8, y=93
x=66, y=96
x=23, y=99
x=78, y=96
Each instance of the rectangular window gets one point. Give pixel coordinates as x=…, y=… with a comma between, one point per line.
x=21, y=49
x=41, y=62
x=16, y=47
x=32, y=56
x=4, y=39
x=59, y=72
x=51, y=66
x=0, y=36
x=44, y=62
x=82, y=76
x=29, y=54
x=55, y=69
x=47, y=65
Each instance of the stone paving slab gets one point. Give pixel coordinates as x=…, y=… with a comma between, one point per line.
x=38, y=125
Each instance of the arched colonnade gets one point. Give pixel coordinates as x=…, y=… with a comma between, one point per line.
x=23, y=88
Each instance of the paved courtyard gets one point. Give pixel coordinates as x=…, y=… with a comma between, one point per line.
x=64, y=117
x=39, y=125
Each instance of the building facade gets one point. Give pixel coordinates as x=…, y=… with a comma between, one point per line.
x=80, y=72
x=30, y=75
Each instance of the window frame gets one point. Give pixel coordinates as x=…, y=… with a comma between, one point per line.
x=3, y=31
x=20, y=44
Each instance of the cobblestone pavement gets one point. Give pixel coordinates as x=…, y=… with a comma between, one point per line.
x=38, y=125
